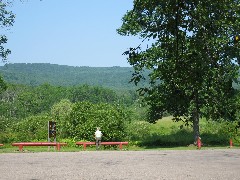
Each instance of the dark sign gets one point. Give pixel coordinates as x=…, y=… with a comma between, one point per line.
x=52, y=129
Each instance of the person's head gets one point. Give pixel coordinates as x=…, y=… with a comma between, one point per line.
x=98, y=128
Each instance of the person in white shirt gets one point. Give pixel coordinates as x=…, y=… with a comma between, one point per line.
x=98, y=137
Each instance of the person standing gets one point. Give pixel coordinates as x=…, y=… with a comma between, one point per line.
x=98, y=137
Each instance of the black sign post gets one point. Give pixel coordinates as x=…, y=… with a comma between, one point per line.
x=52, y=131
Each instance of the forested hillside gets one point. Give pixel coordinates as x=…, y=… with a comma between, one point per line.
x=62, y=75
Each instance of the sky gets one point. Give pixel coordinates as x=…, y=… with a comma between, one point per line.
x=69, y=32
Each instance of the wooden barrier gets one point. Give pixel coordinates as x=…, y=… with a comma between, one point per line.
x=1, y=144
x=85, y=144
x=21, y=144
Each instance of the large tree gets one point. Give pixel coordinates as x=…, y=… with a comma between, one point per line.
x=192, y=49
x=6, y=20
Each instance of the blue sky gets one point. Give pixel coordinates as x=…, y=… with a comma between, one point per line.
x=69, y=32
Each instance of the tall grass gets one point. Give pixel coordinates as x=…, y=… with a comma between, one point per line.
x=166, y=133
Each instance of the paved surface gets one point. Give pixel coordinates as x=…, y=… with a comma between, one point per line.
x=152, y=165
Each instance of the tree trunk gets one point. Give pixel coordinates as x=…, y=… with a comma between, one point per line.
x=195, y=116
x=196, y=125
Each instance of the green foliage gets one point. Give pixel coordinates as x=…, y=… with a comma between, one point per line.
x=74, y=122
x=31, y=128
x=166, y=132
x=85, y=117
x=5, y=125
x=39, y=99
x=139, y=110
x=179, y=138
x=6, y=20
x=220, y=132
x=20, y=101
x=3, y=85
x=138, y=131
x=9, y=104
x=70, y=142
x=237, y=105
x=60, y=112
x=92, y=94
x=35, y=74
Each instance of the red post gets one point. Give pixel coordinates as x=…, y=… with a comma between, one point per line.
x=120, y=146
x=20, y=148
x=84, y=146
x=231, y=143
x=199, y=143
x=58, y=146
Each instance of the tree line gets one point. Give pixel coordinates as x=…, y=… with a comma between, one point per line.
x=21, y=101
x=34, y=74
x=78, y=110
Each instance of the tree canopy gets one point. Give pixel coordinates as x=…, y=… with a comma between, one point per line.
x=35, y=74
x=194, y=53
x=3, y=85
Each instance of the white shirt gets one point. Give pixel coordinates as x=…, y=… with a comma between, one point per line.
x=98, y=134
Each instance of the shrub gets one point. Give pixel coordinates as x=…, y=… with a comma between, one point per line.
x=219, y=133
x=31, y=128
x=59, y=112
x=86, y=116
x=138, y=131
x=5, y=124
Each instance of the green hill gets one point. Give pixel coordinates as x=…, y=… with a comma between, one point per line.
x=61, y=75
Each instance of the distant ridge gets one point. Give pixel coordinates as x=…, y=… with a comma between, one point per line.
x=62, y=75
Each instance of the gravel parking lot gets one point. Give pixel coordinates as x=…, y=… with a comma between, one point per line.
x=170, y=164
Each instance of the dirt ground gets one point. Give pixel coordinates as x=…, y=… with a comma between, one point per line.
x=112, y=165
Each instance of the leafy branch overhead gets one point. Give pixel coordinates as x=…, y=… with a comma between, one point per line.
x=6, y=20
x=193, y=52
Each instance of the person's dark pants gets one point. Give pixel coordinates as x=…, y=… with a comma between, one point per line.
x=98, y=143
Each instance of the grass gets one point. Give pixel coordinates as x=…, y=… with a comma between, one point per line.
x=166, y=133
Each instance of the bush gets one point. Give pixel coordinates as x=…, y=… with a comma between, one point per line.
x=5, y=124
x=31, y=128
x=138, y=131
x=59, y=112
x=219, y=133
x=86, y=116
